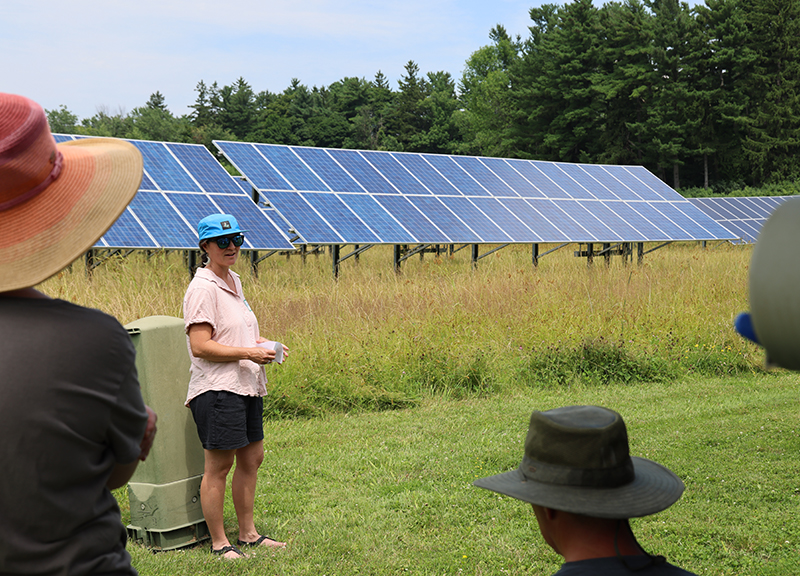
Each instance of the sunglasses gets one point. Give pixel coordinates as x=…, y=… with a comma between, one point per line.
x=224, y=241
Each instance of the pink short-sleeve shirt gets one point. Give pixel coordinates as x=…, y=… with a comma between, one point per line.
x=209, y=300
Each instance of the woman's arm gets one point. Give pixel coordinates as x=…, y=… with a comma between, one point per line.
x=204, y=347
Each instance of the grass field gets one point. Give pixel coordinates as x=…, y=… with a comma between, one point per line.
x=402, y=389
x=376, y=339
x=390, y=492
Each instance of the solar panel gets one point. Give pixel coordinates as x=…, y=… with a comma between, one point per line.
x=181, y=184
x=742, y=216
x=371, y=197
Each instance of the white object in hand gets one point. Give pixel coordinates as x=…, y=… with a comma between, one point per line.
x=277, y=346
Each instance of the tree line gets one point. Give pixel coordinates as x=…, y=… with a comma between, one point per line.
x=707, y=96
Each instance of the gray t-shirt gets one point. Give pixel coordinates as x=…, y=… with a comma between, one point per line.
x=70, y=410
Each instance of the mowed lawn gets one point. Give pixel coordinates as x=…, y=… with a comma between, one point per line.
x=391, y=492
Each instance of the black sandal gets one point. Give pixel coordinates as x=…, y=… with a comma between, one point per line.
x=259, y=541
x=225, y=549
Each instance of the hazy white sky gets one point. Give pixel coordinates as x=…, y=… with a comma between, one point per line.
x=92, y=54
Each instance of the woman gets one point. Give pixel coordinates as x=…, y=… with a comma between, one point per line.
x=227, y=383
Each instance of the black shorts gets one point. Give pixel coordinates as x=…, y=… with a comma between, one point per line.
x=227, y=421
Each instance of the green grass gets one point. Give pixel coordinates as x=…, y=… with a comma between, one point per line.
x=390, y=492
x=376, y=340
x=402, y=389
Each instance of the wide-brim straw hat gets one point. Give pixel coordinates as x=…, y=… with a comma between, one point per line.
x=56, y=201
x=577, y=460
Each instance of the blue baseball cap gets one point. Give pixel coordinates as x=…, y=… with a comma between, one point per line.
x=217, y=225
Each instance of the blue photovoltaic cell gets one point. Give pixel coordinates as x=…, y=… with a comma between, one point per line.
x=756, y=206
x=734, y=209
x=163, y=222
x=617, y=224
x=557, y=175
x=588, y=182
x=291, y=168
x=326, y=169
x=248, y=161
x=163, y=168
x=448, y=168
x=544, y=185
x=209, y=173
x=425, y=173
x=147, y=183
x=412, y=219
x=650, y=230
x=261, y=234
x=554, y=214
x=443, y=217
x=710, y=208
x=541, y=227
x=509, y=225
x=363, y=172
x=194, y=207
x=641, y=191
x=484, y=176
x=669, y=227
x=596, y=228
x=126, y=233
x=707, y=228
x=738, y=229
x=477, y=221
x=348, y=225
x=294, y=208
x=617, y=188
x=519, y=186
x=59, y=138
x=649, y=179
x=386, y=227
x=402, y=179
x=472, y=216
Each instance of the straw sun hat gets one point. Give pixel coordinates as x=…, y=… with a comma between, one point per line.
x=56, y=201
x=577, y=460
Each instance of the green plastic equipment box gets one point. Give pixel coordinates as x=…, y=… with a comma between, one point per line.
x=164, y=491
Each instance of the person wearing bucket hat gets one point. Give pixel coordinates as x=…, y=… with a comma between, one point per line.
x=583, y=484
x=227, y=383
x=72, y=418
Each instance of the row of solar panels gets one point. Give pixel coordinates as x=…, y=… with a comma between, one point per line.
x=181, y=184
x=327, y=196
x=743, y=217
x=367, y=197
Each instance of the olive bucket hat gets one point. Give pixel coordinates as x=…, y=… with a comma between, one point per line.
x=577, y=460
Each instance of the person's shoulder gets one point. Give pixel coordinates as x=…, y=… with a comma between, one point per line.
x=612, y=566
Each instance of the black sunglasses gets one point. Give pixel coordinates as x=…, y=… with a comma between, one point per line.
x=224, y=241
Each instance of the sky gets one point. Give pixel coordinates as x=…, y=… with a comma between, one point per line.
x=109, y=55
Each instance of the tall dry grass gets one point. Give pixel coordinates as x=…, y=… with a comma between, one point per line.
x=375, y=338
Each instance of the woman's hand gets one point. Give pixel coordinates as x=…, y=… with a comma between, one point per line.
x=204, y=347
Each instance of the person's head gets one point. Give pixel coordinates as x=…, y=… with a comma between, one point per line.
x=56, y=200
x=220, y=239
x=577, y=461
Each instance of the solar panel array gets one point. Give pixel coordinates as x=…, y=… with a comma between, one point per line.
x=743, y=217
x=335, y=196
x=181, y=184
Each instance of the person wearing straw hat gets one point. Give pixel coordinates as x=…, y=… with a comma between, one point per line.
x=227, y=384
x=72, y=419
x=584, y=486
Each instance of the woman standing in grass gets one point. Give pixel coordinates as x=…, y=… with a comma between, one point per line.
x=227, y=384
